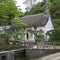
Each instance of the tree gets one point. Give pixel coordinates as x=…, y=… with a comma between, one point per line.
x=8, y=13
x=55, y=9
x=39, y=36
x=54, y=35
x=29, y=4
x=18, y=22
x=54, y=6
x=40, y=7
x=18, y=33
x=56, y=23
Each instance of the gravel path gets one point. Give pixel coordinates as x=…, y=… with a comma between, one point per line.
x=51, y=57
x=55, y=56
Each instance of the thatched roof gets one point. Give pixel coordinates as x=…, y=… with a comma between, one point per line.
x=37, y=20
x=14, y=26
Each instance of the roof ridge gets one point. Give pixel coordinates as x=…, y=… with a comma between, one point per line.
x=33, y=15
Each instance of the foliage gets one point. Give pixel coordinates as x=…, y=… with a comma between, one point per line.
x=8, y=13
x=56, y=23
x=21, y=14
x=19, y=35
x=39, y=36
x=54, y=35
x=5, y=38
x=55, y=9
x=36, y=9
x=54, y=6
x=18, y=22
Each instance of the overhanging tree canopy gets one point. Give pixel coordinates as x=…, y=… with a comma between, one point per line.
x=54, y=35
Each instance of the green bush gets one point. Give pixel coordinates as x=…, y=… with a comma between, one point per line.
x=54, y=35
x=39, y=38
x=5, y=37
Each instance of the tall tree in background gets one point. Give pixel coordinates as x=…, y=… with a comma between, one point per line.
x=54, y=6
x=8, y=13
x=55, y=9
x=29, y=4
x=37, y=9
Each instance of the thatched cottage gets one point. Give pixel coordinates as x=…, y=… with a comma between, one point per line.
x=38, y=22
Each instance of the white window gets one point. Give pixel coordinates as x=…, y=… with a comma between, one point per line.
x=31, y=35
x=27, y=35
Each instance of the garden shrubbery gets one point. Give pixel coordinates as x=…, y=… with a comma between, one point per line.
x=54, y=35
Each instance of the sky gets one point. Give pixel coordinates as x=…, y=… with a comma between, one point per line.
x=20, y=3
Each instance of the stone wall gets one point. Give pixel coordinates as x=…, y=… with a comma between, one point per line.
x=23, y=54
x=12, y=55
x=40, y=52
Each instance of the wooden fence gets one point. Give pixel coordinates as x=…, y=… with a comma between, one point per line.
x=43, y=45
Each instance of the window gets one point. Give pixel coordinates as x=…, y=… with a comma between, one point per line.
x=31, y=35
x=35, y=35
x=27, y=36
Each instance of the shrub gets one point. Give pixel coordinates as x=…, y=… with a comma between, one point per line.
x=5, y=37
x=54, y=35
x=39, y=38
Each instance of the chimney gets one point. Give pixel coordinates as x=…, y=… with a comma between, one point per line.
x=47, y=8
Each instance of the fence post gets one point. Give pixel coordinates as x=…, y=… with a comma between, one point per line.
x=10, y=55
x=0, y=57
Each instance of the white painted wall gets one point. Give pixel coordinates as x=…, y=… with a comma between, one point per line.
x=49, y=26
x=41, y=28
x=1, y=28
x=31, y=38
x=31, y=35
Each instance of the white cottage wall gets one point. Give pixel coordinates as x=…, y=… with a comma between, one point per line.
x=41, y=28
x=49, y=26
x=30, y=35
